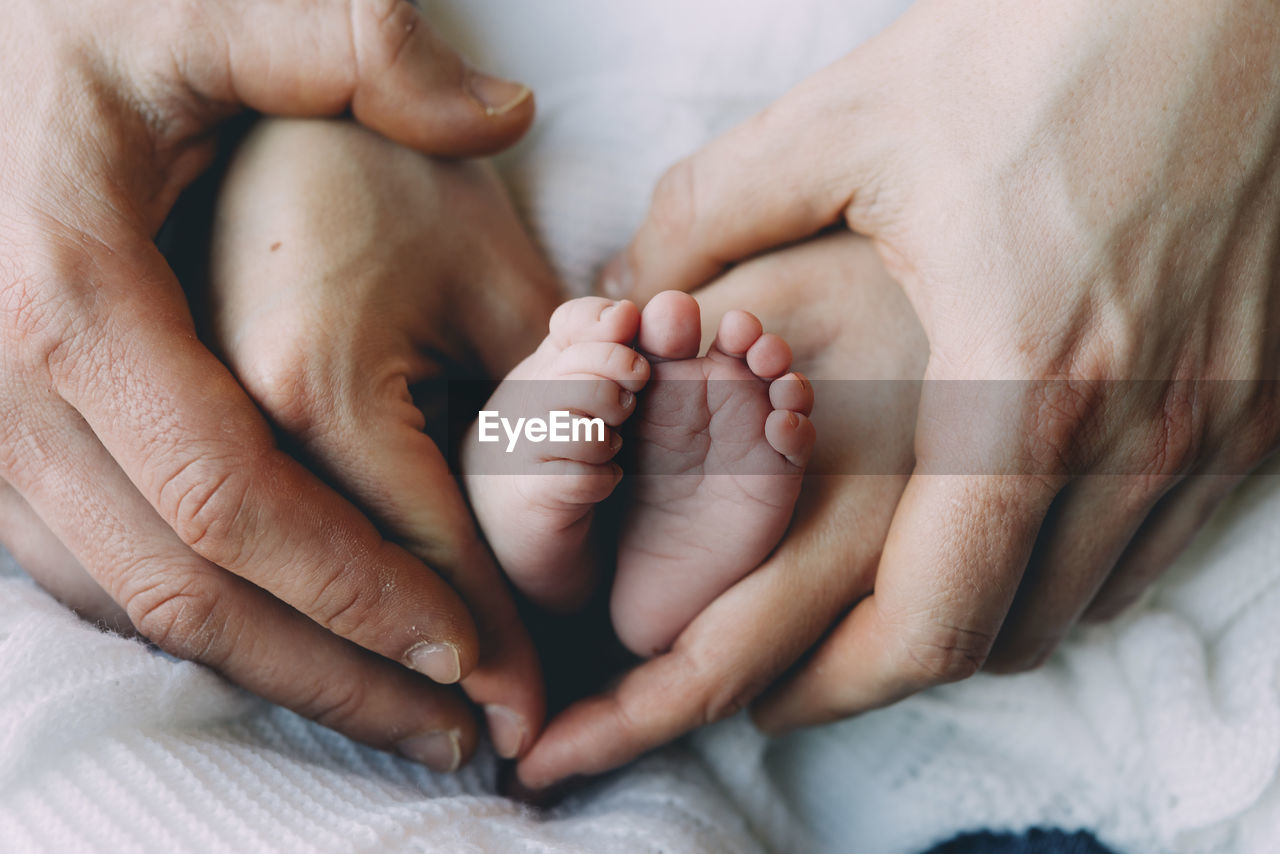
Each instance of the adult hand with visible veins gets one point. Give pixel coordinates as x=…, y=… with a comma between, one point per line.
x=1083, y=210
x=126, y=446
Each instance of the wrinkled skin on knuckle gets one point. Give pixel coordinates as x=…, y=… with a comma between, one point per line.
x=338, y=705
x=178, y=612
x=1057, y=421
x=205, y=501
x=31, y=324
x=44, y=301
x=342, y=603
x=939, y=654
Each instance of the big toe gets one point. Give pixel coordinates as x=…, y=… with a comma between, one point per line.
x=593, y=319
x=671, y=326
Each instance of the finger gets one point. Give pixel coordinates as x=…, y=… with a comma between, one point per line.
x=399, y=476
x=767, y=182
x=196, y=447
x=1083, y=536
x=195, y=610
x=1172, y=525
x=722, y=659
x=378, y=58
x=951, y=564
x=51, y=564
x=955, y=554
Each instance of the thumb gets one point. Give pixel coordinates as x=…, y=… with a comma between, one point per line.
x=783, y=175
x=396, y=473
x=377, y=58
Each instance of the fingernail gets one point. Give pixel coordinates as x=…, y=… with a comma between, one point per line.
x=615, y=444
x=506, y=730
x=439, y=751
x=626, y=399
x=437, y=661
x=618, y=279
x=496, y=95
x=638, y=364
x=604, y=312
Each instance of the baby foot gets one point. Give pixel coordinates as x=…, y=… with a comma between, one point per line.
x=534, y=496
x=722, y=442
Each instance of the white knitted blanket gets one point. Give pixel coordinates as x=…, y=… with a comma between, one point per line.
x=1160, y=733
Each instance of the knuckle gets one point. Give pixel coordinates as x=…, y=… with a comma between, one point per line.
x=36, y=311
x=383, y=30
x=724, y=702
x=178, y=613
x=205, y=502
x=941, y=654
x=278, y=375
x=725, y=693
x=1056, y=420
x=673, y=210
x=1180, y=430
x=343, y=605
x=1259, y=428
x=336, y=705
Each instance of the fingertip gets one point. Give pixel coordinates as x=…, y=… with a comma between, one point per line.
x=439, y=661
x=496, y=96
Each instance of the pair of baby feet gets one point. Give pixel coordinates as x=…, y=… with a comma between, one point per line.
x=720, y=443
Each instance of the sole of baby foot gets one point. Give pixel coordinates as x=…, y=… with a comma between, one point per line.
x=720, y=446
x=540, y=457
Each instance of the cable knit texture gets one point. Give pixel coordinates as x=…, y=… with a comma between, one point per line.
x=1161, y=732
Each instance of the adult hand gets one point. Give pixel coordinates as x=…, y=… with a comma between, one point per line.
x=127, y=437
x=1075, y=200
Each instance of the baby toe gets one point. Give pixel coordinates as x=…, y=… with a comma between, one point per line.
x=574, y=483
x=792, y=391
x=671, y=326
x=594, y=319
x=737, y=332
x=769, y=356
x=593, y=444
x=791, y=434
x=616, y=362
x=595, y=397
